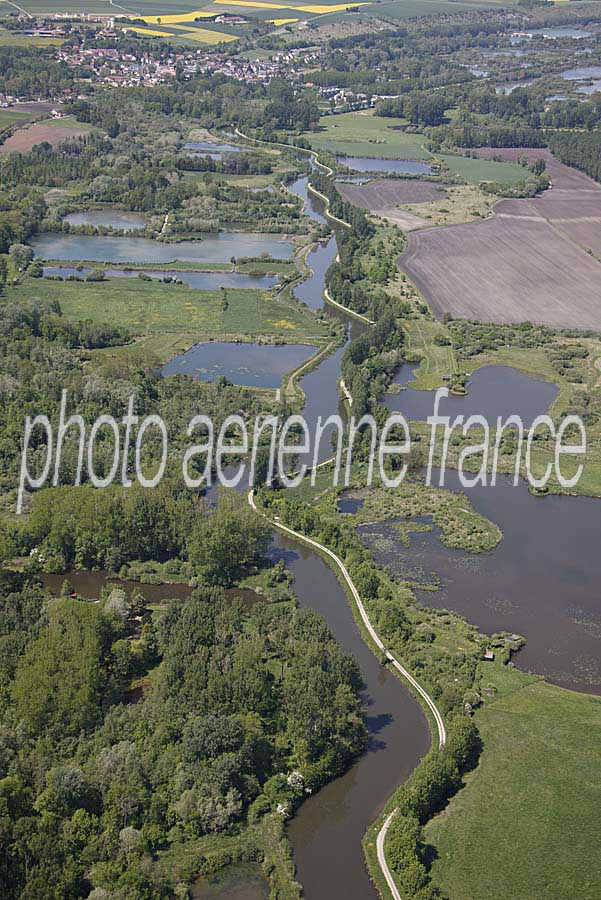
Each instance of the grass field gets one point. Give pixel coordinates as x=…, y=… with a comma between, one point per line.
x=476, y=170
x=17, y=39
x=145, y=307
x=526, y=826
x=10, y=116
x=362, y=134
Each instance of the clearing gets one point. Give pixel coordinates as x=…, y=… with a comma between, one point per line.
x=53, y=131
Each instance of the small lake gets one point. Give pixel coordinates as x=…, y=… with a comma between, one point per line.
x=108, y=218
x=542, y=581
x=111, y=248
x=492, y=391
x=508, y=89
x=201, y=281
x=551, y=33
x=254, y=365
x=581, y=73
x=210, y=147
x=401, y=166
x=234, y=882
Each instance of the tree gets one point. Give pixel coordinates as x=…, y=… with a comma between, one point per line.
x=67, y=665
x=21, y=256
x=225, y=542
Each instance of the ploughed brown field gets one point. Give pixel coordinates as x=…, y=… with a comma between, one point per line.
x=528, y=262
x=383, y=196
x=25, y=138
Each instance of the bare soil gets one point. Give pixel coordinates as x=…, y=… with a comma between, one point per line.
x=529, y=262
x=387, y=193
x=25, y=138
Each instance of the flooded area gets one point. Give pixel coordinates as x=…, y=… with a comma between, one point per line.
x=201, y=281
x=108, y=218
x=402, y=166
x=89, y=586
x=255, y=365
x=211, y=147
x=542, y=581
x=108, y=248
x=236, y=882
x=493, y=391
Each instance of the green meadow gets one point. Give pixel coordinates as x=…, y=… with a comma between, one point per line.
x=526, y=825
x=147, y=306
x=362, y=134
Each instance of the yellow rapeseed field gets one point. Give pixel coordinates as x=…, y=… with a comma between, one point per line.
x=178, y=17
x=315, y=8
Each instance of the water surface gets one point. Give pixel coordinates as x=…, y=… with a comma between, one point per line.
x=327, y=831
x=202, y=281
x=493, y=391
x=542, y=581
x=580, y=73
x=402, y=166
x=210, y=147
x=111, y=248
x=108, y=218
x=255, y=365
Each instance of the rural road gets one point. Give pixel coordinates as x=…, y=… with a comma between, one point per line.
x=442, y=735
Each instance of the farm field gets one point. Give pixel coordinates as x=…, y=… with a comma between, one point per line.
x=144, y=307
x=537, y=776
x=572, y=206
x=384, y=193
x=528, y=262
x=10, y=116
x=52, y=131
x=506, y=270
x=475, y=171
x=361, y=134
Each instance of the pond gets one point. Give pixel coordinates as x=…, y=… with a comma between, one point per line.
x=210, y=147
x=508, y=89
x=492, y=391
x=581, y=73
x=255, y=365
x=90, y=584
x=202, y=281
x=108, y=218
x=111, y=248
x=542, y=581
x=402, y=166
x=234, y=882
